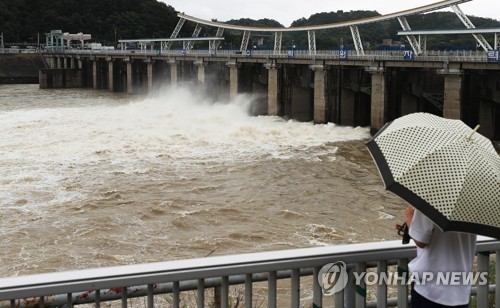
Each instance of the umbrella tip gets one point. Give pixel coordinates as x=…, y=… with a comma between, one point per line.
x=473, y=131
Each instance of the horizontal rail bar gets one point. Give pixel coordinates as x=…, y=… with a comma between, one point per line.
x=177, y=39
x=219, y=266
x=163, y=288
x=449, y=31
x=386, y=55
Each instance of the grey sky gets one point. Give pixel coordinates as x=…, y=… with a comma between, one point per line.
x=286, y=11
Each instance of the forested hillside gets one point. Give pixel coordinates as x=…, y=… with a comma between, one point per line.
x=373, y=34
x=22, y=20
x=110, y=20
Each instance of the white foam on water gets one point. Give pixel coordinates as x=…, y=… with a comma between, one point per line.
x=45, y=150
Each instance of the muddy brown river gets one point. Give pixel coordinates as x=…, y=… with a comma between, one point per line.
x=91, y=178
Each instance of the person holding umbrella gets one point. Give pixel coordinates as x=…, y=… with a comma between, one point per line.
x=446, y=252
x=450, y=175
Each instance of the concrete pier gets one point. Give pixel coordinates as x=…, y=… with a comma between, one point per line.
x=272, y=90
x=111, y=86
x=233, y=79
x=149, y=65
x=130, y=83
x=94, y=74
x=319, y=94
x=59, y=78
x=173, y=72
x=200, y=65
x=452, y=108
x=378, y=97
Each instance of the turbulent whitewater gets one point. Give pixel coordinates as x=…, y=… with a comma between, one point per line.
x=92, y=178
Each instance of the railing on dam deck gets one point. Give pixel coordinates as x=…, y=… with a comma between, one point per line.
x=187, y=282
x=374, y=55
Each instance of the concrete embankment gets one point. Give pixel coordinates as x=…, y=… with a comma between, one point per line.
x=20, y=68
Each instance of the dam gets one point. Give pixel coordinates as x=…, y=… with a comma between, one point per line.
x=367, y=90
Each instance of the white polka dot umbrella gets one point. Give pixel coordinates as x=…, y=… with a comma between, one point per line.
x=444, y=169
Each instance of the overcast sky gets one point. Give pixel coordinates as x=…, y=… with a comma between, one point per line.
x=286, y=11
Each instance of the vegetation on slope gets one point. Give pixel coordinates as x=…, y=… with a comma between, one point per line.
x=111, y=20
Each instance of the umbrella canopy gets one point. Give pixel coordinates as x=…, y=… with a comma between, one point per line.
x=442, y=168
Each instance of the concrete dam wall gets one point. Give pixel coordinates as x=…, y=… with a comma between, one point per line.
x=17, y=68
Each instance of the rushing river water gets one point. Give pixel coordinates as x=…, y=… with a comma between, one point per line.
x=92, y=178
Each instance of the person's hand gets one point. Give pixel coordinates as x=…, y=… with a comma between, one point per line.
x=410, y=210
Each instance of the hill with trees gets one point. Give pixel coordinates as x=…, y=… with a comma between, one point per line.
x=374, y=34
x=111, y=20
x=24, y=20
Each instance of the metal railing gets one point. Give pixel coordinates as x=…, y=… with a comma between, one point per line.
x=373, y=55
x=150, y=282
x=16, y=50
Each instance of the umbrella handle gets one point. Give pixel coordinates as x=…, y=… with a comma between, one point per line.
x=473, y=131
x=403, y=231
x=406, y=235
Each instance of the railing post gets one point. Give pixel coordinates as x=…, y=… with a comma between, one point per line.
x=271, y=294
x=224, y=292
x=338, y=298
x=317, y=292
x=217, y=297
x=402, y=283
x=295, y=288
x=248, y=290
x=176, y=297
x=124, y=297
x=150, y=296
x=381, y=287
x=69, y=300
x=97, y=298
x=349, y=290
x=483, y=265
x=361, y=288
x=201, y=293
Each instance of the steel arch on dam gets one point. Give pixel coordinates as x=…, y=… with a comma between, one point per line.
x=417, y=45
x=357, y=88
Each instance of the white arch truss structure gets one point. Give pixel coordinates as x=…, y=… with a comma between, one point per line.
x=353, y=25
